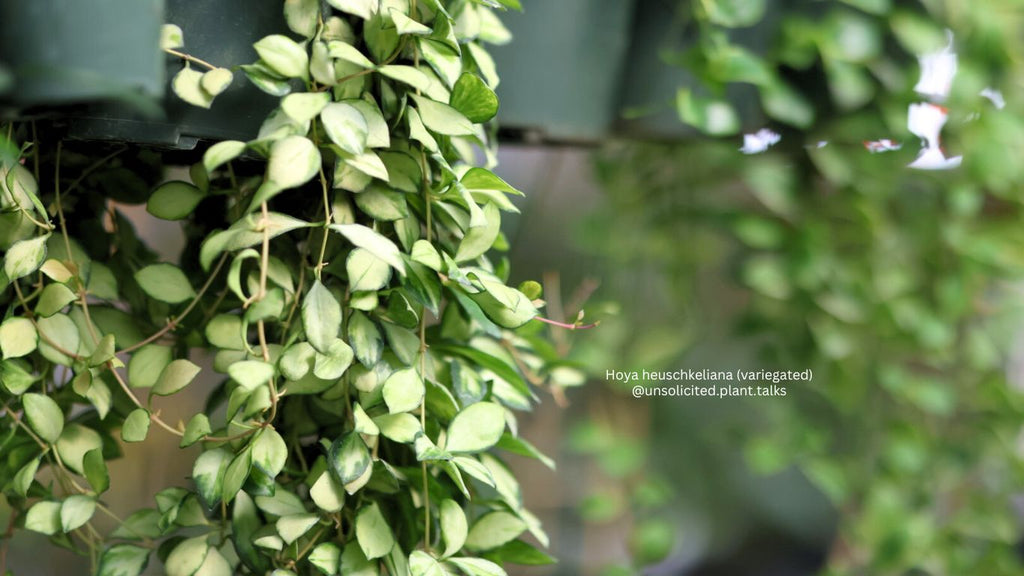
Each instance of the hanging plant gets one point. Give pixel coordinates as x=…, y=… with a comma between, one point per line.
x=338, y=271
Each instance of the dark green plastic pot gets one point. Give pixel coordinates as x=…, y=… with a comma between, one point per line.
x=100, y=61
x=219, y=32
x=561, y=76
x=61, y=51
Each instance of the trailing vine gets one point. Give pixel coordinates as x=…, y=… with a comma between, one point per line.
x=339, y=272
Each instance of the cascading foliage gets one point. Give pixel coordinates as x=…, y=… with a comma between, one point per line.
x=370, y=352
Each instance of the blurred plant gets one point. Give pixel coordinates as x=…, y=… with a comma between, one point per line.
x=896, y=286
x=352, y=433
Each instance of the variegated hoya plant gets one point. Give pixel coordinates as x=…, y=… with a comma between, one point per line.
x=337, y=271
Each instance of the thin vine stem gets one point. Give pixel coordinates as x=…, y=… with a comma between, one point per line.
x=190, y=58
x=173, y=322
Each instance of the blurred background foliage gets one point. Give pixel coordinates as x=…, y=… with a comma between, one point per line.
x=898, y=287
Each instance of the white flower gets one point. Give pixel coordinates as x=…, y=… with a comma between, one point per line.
x=759, y=141
x=935, y=159
x=937, y=71
x=926, y=121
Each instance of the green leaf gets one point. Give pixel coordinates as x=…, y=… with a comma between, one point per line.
x=406, y=25
x=302, y=16
x=475, y=469
x=321, y=317
x=442, y=58
x=378, y=136
x=713, y=117
x=187, y=557
x=326, y=557
x=407, y=75
x=261, y=76
x=95, y=469
x=505, y=306
x=269, y=452
x=58, y=334
x=221, y=153
x=15, y=378
x=76, y=511
x=216, y=81
x=135, y=426
x=236, y=474
x=174, y=200
x=166, y=283
x=382, y=203
x=423, y=564
x=362, y=422
x=425, y=253
x=327, y=493
x=402, y=427
x=104, y=352
x=297, y=360
x=484, y=63
x=453, y=527
x=196, y=429
x=366, y=271
x=477, y=567
x=365, y=339
x=376, y=244
x=283, y=55
x=786, y=104
x=524, y=448
x=494, y=529
x=123, y=560
x=332, y=365
x=531, y=289
x=187, y=84
x=44, y=517
x=44, y=416
x=251, y=373
x=174, y=377
x=56, y=271
x=345, y=126
x=25, y=257
x=245, y=233
x=215, y=565
x=479, y=240
x=364, y=9
x=53, y=299
x=208, y=474
x=293, y=526
x=18, y=337
x=171, y=37
x=442, y=118
x=24, y=477
x=474, y=99
x=373, y=533
x=302, y=107
x=734, y=13
x=476, y=428
x=74, y=443
x=294, y=160
x=348, y=53
x=147, y=363
x=519, y=552
x=368, y=163
x=732, y=63
x=403, y=391
x=404, y=342
x=349, y=457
